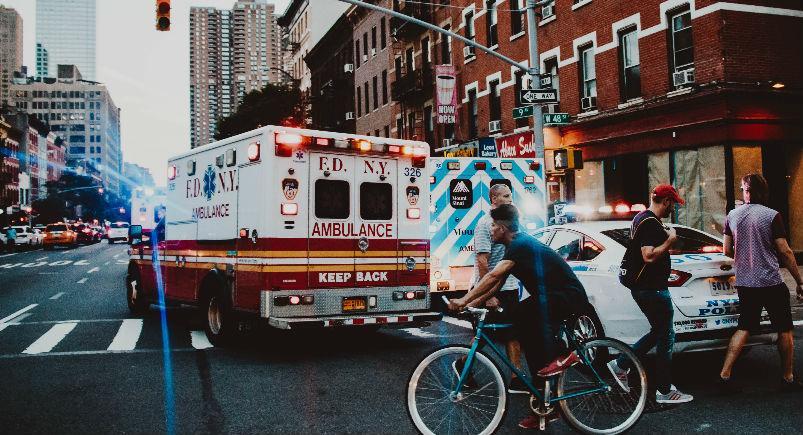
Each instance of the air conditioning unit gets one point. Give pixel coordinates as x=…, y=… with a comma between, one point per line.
x=468, y=51
x=683, y=78
x=373, y=52
x=494, y=126
x=547, y=11
x=349, y=115
x=349, y=67
x=588, y=103
x=447, y=142
x=365, y=58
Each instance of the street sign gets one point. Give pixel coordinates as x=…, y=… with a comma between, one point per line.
x=545, y=80
x=522, y=112
x=538, y=96
x=556, y=118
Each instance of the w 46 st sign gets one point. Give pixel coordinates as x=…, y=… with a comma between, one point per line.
x=538, y=96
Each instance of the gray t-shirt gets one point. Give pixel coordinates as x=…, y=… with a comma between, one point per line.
x=496, y=251
x=754, y=229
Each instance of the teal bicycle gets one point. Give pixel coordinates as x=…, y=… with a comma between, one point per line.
x=590, y=399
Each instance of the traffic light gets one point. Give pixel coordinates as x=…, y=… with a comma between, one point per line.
x=163, y=15
x=568, y=158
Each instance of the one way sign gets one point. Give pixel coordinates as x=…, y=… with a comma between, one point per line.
x=538, y=96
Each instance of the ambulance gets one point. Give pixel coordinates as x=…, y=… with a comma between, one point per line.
x=459, y=190
x=147, y=208
x=299, y=228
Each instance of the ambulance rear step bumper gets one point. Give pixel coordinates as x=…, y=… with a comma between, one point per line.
x=407, y=320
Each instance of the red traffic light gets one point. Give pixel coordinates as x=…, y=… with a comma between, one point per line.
x=163, y=15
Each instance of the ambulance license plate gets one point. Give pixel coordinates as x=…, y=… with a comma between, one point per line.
x=721, y=287
x=355, y=304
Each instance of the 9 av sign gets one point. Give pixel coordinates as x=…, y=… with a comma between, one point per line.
x=538, y=96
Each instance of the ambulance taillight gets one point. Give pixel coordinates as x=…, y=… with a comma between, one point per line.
x=289, y=208
x=413, y=213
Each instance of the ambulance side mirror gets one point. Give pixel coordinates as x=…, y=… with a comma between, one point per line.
x=135, y=234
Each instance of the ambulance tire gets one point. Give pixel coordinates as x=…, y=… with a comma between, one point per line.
x=220, y=323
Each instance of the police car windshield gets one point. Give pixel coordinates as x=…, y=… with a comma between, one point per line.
x=689, y=241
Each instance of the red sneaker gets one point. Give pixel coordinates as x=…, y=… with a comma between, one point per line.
x=534, y=422
x=559, y=365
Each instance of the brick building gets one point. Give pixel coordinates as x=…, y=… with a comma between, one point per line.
x=10, y=138
x=332, y=92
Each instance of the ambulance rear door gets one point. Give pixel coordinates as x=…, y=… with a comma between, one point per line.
x=376, y=221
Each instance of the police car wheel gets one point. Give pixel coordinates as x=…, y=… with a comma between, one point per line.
x=587, y=326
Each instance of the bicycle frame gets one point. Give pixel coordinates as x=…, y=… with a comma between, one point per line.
x=480, y=339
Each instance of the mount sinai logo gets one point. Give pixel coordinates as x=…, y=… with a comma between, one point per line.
x=460, y=187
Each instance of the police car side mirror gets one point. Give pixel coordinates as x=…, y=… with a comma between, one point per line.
x=134, y=234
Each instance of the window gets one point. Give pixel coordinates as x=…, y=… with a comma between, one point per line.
x=387, y=131
x=518, y=85
x=469, y=29
x=411, y=125
x=409, y=59
x=681, y=41
x=399, y=127
x=373, y=38
x=472, y=113
x=398, y=65
x=629, y=74
x=446, y=48
x=425, y=52
x=357, y=53
x=359, y=101
x=385, y=87
x=365, y=44
x=567, y=244
x=367, y=100
x=494, y=105
x=588, y=73
x=429, y=126
x=376, y=93
x=551, y=68
x=543, y=236
x=376, y=201
x=383, y=39
x=332, y=199
x=491, y=21
x=516, y=17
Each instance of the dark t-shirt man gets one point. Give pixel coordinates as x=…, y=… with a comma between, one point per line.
x=649, y=231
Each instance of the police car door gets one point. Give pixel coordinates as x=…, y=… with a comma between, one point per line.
x=376, y=221
x=332, y=233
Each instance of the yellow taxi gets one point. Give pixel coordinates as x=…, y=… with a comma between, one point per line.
x=60, y=234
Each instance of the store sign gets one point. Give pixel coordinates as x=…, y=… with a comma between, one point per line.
x=446, y=94
x=487, y=146
x=468, y=149
x=516, y=145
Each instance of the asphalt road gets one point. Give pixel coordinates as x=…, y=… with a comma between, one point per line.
x=75, y=361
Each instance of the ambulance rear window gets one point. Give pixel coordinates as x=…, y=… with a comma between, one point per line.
x=332, y=199
x=376, y=201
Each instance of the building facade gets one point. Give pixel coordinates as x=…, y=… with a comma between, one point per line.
x=65, y=35
x=83, y=114
x=10, y=50
x=232, y=52
x=332, y=78
x=10, y=138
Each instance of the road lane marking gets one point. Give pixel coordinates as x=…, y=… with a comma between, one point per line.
x=56, y=296
x=457, y=322
x=106, y=263
x=81, y=263
x=93, y=270
x=7, y=318
x=115, y=255
x=40, y=259
x=35, y=264
x=60, y=263
x=20, y=318
x=8, y=255
x=199, y=340
x=10, y=265
x=82, y=280
x=94, y=352
x=797, y=322
x=127, y=336
x=417, y=332
x=51, y=338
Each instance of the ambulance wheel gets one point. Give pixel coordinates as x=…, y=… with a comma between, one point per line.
x=220, y=325
x=137, y=303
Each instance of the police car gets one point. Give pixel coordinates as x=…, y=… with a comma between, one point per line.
x=701, y=284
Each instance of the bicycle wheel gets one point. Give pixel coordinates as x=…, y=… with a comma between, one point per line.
x=607, y=412
x=435, y=409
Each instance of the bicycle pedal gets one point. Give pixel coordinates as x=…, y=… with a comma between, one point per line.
x=542, y=423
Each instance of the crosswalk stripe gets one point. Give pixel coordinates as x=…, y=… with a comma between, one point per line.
x=127, y=336
x=417, y=332
x=51, y=338
x=457, y=322
x=199, y=340
x=9, y=317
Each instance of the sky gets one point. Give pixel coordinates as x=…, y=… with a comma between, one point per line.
x=145, y=71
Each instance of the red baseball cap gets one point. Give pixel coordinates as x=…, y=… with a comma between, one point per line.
x=667, y=191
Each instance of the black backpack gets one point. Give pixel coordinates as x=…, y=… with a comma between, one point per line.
x=633, y=265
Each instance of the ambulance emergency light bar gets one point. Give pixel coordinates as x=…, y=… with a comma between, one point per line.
x=286, y=143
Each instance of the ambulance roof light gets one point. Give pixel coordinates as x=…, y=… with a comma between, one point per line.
x=324, y=141
x=394, y=149
x=253, y=152
x=291, y=139
x=407, y=150
x=419, y=151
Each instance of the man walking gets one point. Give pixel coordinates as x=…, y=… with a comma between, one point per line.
x=755, y=237
x=649, y=290
x=11, y=239
x=488, y=255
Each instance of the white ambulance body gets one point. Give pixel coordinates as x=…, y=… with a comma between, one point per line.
x=299, y=227
x=459, y=199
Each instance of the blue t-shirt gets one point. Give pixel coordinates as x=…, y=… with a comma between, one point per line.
x=540, y=269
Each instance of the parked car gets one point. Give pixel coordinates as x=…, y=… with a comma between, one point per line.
x=701, y=285
x=86, y=235
x=60, y=234
x=117, y=231
x=26, y=238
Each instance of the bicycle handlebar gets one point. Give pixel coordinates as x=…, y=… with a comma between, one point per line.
x=472, y=310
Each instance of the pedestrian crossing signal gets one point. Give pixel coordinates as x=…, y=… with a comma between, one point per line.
x=568, y=158
x=162, y=15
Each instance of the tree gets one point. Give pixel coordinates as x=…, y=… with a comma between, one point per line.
x=273, y=105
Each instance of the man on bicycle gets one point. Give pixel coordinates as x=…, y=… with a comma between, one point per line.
x=551, y=294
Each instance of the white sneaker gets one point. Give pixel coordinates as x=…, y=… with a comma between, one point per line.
x=673, y=396
x=619, y=375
